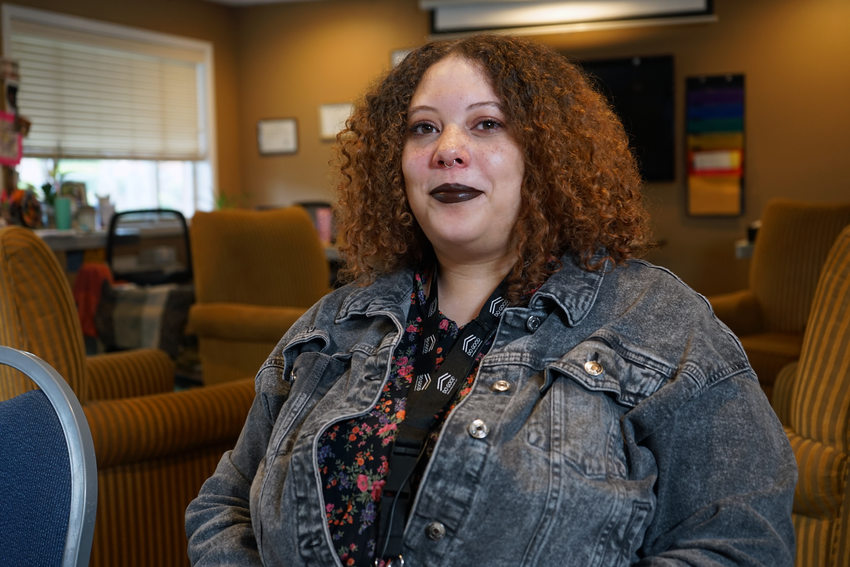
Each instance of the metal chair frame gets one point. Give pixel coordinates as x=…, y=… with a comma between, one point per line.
x=81, y=455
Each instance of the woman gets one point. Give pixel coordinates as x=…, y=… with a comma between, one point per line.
x=503, y=384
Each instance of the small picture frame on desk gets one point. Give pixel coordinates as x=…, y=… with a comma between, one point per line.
x=277, y=136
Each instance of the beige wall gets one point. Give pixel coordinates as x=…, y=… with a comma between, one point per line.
x=294, y=58
x=188, y=18
x=794, y=55
x=284, y=60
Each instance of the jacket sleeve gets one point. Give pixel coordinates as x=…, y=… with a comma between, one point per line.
x=218, y=520
x=726, y=478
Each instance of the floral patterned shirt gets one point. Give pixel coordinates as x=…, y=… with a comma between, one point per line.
x=354, y=454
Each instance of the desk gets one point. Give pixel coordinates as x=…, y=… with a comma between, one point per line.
x=72, y=244
x=72, y=240
x=163, y=248
x=73, y=247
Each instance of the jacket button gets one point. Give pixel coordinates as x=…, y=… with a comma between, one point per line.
x=435, y=531
x=478, y=429
x=501, y=386
x=593, y=368
x=532, y=323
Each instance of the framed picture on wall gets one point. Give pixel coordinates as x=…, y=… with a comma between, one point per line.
x=276, y=136
x=398, y=55
x=715, y=145
x=332, y=119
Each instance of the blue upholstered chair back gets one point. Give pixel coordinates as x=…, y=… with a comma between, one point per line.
x=48, y=475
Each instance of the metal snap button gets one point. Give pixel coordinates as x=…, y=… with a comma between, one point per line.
x=532, y=323
x=478, y=429
x=435, y=531
x=501, y=386
x=593, y=368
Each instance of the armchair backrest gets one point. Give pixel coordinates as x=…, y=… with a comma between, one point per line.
x=820, y=396
x=790, y=249
x=270, y=257
x=818, y=419
x=37, y=311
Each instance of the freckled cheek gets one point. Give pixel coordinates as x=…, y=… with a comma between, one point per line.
x=414, y=166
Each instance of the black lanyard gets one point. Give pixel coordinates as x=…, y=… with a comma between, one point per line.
x=432, y=390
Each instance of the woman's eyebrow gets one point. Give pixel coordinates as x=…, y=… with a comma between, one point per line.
x=495, y=103
x=474, y=105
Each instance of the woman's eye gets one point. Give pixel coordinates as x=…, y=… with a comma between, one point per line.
x=489, y=124
x=423, y=128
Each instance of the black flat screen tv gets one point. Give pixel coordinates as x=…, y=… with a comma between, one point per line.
x=641, y=90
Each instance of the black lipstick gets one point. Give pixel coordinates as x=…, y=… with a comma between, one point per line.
x=454, y=193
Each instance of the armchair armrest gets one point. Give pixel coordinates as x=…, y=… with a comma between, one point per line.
x=128, y=374
x=148, y=427
x=242, y=322
x=739, y=310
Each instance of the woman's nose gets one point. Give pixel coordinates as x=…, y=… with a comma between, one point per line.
x=450, y=163
x=451, y=149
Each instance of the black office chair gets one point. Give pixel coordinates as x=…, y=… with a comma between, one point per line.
x=48, y=472
x=149, y=247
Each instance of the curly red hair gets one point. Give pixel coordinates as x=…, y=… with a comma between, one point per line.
x=581, y=188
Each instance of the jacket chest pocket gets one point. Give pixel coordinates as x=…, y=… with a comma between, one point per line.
x=586, y=393
x=581, y=426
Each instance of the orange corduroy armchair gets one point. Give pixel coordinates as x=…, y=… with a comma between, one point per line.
x=256, y=272
x=154, y=446
x=812, y=399
x=770, y=315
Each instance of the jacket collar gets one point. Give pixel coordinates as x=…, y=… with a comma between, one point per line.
x=572, y=289
x=389, y=294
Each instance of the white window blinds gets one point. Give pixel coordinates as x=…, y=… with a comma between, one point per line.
x=95, y=90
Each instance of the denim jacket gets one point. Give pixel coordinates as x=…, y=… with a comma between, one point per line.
x=614, y=421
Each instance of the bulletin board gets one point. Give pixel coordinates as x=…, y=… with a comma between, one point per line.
x=715, y=145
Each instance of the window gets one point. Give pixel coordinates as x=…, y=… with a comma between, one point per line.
x=127, y=112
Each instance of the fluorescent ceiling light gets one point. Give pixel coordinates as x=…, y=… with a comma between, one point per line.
x=471, y=15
